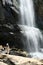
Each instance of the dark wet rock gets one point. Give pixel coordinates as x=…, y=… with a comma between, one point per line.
x=39, y=13
x=11, y=34
x=8, y=14
x=1, y=13
x=18, y=52
x=9, y=30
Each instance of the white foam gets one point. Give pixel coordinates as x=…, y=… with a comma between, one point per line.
x=37, y=55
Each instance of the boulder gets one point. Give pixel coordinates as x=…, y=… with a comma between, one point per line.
x=18, y=60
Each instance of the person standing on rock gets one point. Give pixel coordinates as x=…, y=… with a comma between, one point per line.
x=7, y=48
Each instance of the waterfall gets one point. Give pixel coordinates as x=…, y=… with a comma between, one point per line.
x=33, y=35
x=27, y=12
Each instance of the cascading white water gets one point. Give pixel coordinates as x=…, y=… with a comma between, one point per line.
x=33, y=35
x=33, y=38
x=27, y=12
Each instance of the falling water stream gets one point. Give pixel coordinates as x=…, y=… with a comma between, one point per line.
x=33, y=35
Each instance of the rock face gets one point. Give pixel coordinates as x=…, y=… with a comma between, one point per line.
x=1, y=12
x=8, y=13
x=39, y=13
x=9, y=30
x=10, y=34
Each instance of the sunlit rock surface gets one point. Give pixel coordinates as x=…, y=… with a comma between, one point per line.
x=18, y=60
